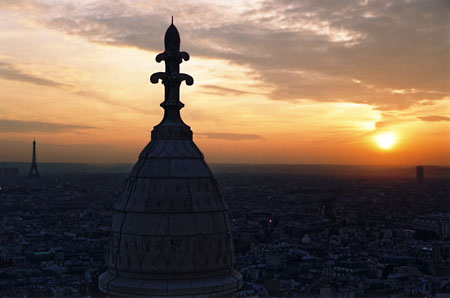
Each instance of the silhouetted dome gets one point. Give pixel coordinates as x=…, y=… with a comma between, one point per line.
x=171, y=234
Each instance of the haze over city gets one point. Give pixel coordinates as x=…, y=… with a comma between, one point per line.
x=327, y=82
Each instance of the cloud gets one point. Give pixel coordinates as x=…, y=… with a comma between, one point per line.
x=390, y=120
x=13, y=150
x=219, y=90
x=387, y=123
x=434, y=118
x=104, y=99
x=230, y=136
x=10, y=72
x=20, y=4
x=8, y=125
x=349, y=50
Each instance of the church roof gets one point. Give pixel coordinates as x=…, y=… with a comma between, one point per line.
x=171, y=234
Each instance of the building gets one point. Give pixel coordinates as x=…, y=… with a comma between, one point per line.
x=171, y=234
x=419, y=174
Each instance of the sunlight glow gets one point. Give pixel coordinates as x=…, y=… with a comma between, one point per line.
x=386, y=140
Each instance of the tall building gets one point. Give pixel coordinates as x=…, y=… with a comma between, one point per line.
x=171, y=234
x=419, y=174
x=34, y=173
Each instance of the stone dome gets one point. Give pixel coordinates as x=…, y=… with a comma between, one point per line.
x=171, y=234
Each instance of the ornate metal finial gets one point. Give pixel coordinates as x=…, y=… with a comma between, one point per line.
x=172, y=77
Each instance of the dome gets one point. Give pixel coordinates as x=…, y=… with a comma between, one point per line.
x=170, y=234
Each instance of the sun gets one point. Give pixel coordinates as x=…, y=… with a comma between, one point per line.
x=386, y=140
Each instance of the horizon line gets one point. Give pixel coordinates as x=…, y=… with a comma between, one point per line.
x=245, y=164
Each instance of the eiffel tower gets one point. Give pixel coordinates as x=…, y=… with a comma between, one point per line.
x=34, y=173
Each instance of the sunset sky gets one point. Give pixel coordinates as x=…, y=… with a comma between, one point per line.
x=276, y=81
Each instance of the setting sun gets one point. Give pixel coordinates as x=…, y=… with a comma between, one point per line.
x=386, y=140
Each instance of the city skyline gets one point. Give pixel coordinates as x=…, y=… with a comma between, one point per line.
x=354, y=82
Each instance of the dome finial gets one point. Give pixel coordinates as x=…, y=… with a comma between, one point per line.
x=172, y=20
x=171, y=78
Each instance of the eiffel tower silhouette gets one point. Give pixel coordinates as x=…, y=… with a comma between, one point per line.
x=34, y=173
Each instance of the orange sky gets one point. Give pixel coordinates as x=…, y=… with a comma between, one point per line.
x=276, y=81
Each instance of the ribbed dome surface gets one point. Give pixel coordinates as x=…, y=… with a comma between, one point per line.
x=170, y=234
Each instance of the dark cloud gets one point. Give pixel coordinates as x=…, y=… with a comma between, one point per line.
x=230, y=136
x=349, y=50
x=51, y=152
x=219, y=90
x=10, y=72
x=434, y=118
x=8, y=125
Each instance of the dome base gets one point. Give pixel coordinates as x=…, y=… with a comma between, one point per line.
x=221, y=286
